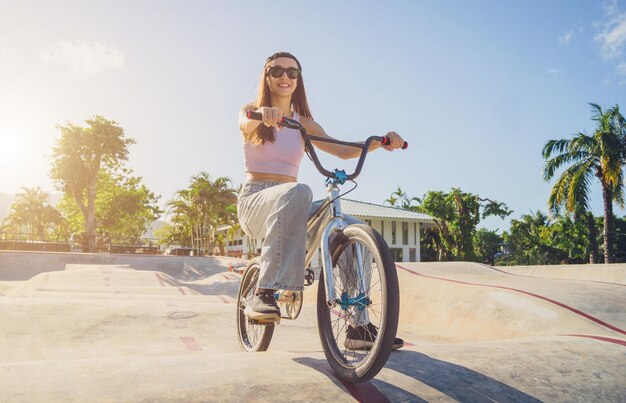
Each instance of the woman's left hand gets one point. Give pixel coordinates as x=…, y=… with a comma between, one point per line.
x=395, y=141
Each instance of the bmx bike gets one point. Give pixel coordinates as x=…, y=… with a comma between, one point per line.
x=358, y=280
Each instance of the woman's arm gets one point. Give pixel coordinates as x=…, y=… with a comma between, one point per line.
x=247, y=126
x=271, y=117
x=343, y=151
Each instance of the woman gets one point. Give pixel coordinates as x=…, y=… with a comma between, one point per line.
x=272, y=204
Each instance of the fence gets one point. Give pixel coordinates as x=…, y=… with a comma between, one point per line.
x=76, y=243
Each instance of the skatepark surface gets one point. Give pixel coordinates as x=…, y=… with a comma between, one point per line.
x=80, y=327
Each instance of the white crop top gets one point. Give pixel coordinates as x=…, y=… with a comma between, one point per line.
x=281, y=157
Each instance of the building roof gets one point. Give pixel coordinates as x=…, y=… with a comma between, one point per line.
x=364, y=209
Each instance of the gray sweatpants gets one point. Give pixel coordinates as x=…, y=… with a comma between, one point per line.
x=278, y=212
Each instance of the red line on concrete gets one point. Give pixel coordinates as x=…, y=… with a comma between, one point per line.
x=602, y=338
x=182, y=290
x=224, y=299
x=364, y=392
x=190, y=343
x=550, y=278
x=562, y=305
x=158, y=276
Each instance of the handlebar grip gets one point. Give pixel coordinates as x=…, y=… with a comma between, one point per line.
x=254, y=115
x=386, y=141
x=258, y=116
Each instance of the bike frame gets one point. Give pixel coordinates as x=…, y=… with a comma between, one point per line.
x=337, y=222
x=332, y=204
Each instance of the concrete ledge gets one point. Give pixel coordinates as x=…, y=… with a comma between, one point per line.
x=21, y=265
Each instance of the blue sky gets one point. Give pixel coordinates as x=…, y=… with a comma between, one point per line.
x=476, y=88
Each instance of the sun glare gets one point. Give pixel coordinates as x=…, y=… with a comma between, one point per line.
x=11, y=147
x=15, y=161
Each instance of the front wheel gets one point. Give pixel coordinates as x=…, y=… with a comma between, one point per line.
x=253, y=336
x=362, y=302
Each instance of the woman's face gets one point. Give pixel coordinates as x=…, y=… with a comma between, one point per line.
x=282, y=86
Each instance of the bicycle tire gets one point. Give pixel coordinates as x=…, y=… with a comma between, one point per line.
x=350, y=365
x=252, y=336
x=294, y=307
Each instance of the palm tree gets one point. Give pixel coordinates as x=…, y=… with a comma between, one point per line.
x=601, y=155
x=401, y=200
x=31, y=212
x=200, y=208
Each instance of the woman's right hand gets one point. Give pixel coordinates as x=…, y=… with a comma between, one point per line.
x=271, y=116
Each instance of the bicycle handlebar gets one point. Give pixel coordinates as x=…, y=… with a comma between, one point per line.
x=293, y=124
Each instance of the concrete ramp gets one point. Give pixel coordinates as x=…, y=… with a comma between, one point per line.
x=465, y=301
x=613, y=273
x=125, y=332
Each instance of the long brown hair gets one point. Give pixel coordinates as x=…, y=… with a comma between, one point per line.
x=298, y=100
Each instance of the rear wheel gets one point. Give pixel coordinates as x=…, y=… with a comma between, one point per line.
x=292, y=303
x=378, y=303
x=253, y=335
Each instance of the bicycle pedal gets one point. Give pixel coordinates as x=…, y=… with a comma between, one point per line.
x=265, y=322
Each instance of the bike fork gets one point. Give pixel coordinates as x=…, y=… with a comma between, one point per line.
x=327, y=264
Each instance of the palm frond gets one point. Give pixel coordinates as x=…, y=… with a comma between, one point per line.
x=552, y=146
x=571, y=189
x=618, y=190
x=552, y=165
x=596, y=111
x=582, y=142
x=580, y=183
x=558, y=194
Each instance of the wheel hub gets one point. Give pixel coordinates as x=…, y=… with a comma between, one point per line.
x=361, y=301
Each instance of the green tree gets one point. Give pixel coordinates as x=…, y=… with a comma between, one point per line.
x=620, y=239
x=486, y=245
x=79, y=155
x=569, y=236
x=125, y=207
x=600, y=155
x=31, y=213
x=456, y=215
x=198, y=210
x=439, y=206
x=529, y=241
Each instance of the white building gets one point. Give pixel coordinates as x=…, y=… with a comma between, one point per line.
x=400, y=229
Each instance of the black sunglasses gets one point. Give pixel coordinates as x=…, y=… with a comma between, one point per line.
x=277, y=72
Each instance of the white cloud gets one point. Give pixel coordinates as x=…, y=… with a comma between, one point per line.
x=565, y=38
x=613, y=36
x=554, y=72
x=9, y=55
x=84, y=58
